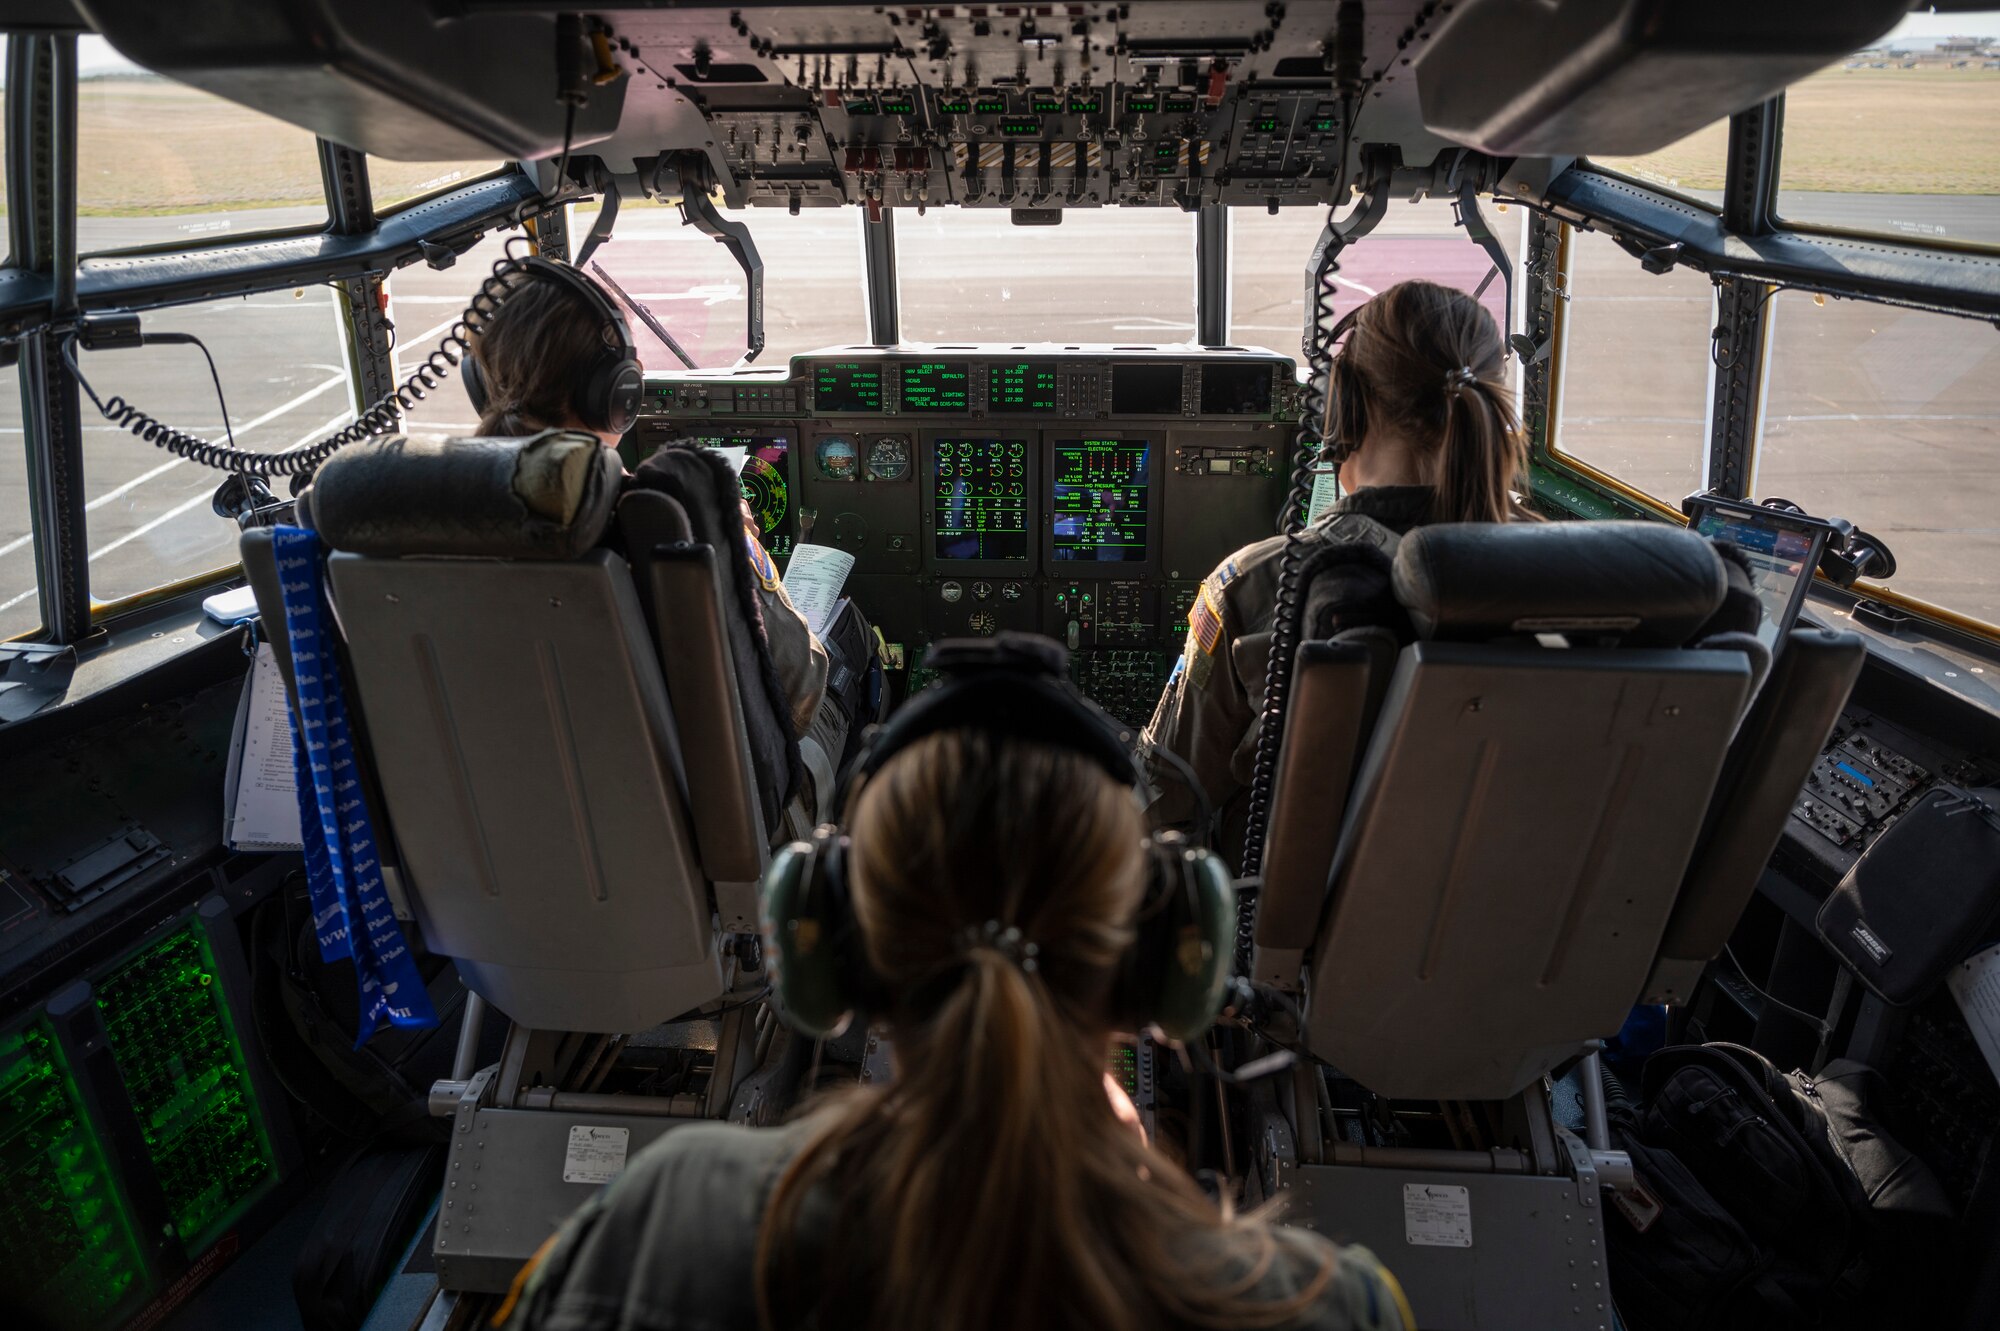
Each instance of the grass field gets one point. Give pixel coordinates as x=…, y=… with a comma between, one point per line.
x=155, y=148
x=151, y=147
x=1863, y=131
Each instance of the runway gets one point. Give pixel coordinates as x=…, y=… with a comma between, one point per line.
x=1882, y=416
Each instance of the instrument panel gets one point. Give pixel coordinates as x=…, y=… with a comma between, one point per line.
x=1082, y=493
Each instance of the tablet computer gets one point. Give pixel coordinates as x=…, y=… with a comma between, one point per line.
x=1783, y=548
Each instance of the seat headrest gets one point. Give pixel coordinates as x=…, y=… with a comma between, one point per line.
x=1644, y=584
x=545, y=496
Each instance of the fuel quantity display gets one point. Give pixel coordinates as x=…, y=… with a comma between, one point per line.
x=848, y=386
x=1101, y=499
x=981, y=491
x=936, y=386
x=1021, y=386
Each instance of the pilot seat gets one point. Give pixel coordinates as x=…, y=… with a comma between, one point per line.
x=541, y=667
x=1484, y=848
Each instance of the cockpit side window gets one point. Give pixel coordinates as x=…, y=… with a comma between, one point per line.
x=282, y=357
x=1891, y=418
x=163, y=164
x=1632, y=371
x=1903, y=139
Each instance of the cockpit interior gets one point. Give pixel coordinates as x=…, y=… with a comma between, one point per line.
x=390, y=803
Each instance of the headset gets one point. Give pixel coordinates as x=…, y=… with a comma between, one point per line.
x=1014, y=686
x=609, y=395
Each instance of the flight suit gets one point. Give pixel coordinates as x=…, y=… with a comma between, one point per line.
x=671, y=1244
x=800, y=658
x=1208, y=713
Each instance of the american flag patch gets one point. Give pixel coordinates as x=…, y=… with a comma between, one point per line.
x=1205, y=621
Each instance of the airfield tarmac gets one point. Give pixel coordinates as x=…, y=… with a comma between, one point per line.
x=1884, y=416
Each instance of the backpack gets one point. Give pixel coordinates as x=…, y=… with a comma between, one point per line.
x=1745, y=1214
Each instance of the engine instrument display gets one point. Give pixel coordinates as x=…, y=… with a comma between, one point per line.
x=1100, y=498
x=980, y=488
x=836, y=457
x=1235, y=389
x=1145, y=388
x=1021, y=386
x=848, y=386
x=937, y=386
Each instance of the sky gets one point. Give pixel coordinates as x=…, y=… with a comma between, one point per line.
x=95, y=56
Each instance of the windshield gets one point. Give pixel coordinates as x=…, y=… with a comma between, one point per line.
x=1104, y=275
x=813, y=294
x=1268, y=256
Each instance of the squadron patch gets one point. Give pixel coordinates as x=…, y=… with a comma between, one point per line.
x=760, y=563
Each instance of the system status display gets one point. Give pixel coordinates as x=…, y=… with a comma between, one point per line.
x=981, y=491
x=1021, y=386
x=848, y=386
x=1101, y=499
x=936, y=386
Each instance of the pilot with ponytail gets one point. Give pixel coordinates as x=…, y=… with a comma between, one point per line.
x=538, y=362
x=1424, y=430
x=994, y=901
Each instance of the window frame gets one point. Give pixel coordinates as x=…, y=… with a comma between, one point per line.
x=1548, y=447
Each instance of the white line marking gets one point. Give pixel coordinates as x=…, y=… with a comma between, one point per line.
x=109, y=495
x=200, y=499
x=9, y=605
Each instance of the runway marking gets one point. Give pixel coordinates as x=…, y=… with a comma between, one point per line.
x=119, y=491
x=204, y=498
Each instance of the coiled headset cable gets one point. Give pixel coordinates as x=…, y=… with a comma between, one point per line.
x=381, y=417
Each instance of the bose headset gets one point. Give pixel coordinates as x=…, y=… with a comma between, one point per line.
x=1014, y=686
x=609, y=395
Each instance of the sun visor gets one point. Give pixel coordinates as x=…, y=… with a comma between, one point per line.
x=1554, y=78
x=380, y=76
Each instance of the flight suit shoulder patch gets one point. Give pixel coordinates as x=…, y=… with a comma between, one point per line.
x=760, y=563
x=1204, y=634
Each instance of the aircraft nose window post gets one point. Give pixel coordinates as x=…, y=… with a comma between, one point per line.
x=1316, y=665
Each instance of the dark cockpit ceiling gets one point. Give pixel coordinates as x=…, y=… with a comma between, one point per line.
x=1154, y=102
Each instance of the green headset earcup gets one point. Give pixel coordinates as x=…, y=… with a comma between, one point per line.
x=1200, y=948
x=800, y=941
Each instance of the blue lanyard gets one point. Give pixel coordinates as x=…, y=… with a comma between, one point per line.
x=343, y=870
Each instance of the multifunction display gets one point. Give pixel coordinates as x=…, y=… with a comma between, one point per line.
x=1021, y=385
x=981, y=491
x=937, y=385
x=1235, y=388
x=848, y=386
x=1143, y=388
x=1100, y=498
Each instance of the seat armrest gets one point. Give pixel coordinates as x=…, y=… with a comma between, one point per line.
x=1323, y=727
x=701, y=685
